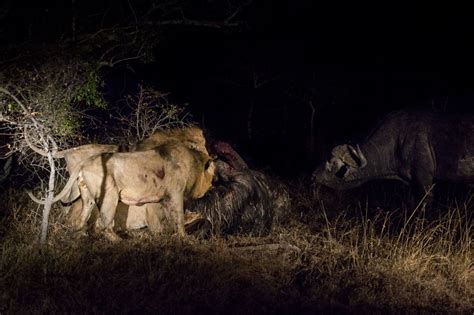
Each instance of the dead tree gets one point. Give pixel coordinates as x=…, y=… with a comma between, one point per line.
x=49, y=145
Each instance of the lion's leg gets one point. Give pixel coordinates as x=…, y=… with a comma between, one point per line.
x=88, y=204
x=155, y=218
x=176, y=210
x=121, y=216
x=107, y=214
x=96, y=221
x=73, y=217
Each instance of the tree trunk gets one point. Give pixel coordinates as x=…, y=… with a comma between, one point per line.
x=48, y=200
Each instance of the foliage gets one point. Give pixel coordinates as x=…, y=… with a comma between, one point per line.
x=89, y=90
x=38, y=100
x=53, y=92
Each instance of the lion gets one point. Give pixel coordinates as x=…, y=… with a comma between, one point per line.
x=150, y=214
x=135, y=217
x=75, y=156
x=166, y=176
x=191, y=136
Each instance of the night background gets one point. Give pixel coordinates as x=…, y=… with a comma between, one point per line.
x=354, y=62
x=283, y=82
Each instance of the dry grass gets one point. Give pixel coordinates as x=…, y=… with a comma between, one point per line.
x=373, y=261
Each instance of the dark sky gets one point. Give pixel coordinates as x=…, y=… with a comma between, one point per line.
x=355, y=61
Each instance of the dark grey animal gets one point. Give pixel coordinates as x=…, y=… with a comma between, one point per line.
x=415, y=147
x=242, y=201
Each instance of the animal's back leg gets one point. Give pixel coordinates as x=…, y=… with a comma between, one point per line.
x=88, y=204
x=155, y=217
x=107, y=213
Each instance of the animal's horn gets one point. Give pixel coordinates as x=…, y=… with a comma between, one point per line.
x=360, y=156
x=363, y=160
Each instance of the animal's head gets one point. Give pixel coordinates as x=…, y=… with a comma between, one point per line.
x=225, y=152
x=342, y=168
x=222, y=148
x=223, y=171
x=205, y=176
x=194, y=138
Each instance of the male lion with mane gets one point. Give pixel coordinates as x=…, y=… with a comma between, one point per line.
x=164, y=176
x=190, y=136
x=150, y=215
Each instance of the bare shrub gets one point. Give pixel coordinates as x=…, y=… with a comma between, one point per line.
x=37, y=100
x=146, y=113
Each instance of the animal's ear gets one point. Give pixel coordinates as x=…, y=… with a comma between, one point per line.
x=328, y=166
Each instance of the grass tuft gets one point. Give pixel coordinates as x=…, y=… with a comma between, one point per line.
x=356, y=259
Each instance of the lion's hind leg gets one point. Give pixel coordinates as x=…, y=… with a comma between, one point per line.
x=155, y=217
x=88, y=205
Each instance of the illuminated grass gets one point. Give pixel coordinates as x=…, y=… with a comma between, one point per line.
x=366, y=262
